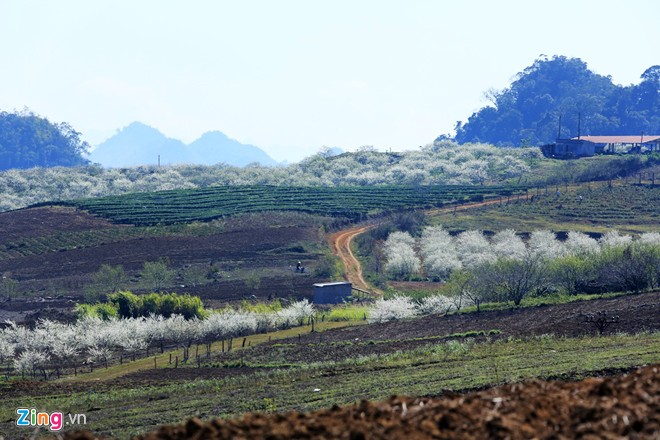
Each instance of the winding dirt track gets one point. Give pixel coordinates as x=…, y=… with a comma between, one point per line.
x=340, y=242
x=341, y=247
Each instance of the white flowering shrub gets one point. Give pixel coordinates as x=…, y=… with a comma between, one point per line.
x=434, y=304
x=399, y=307
x=613, y=238
x=579, y=243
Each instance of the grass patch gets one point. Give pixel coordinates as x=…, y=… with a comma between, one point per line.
x=346, y=313
x=551, y=299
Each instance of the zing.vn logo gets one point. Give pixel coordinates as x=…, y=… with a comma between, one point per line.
x=54, y=420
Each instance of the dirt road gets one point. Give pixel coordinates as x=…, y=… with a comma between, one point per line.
x=340, y=242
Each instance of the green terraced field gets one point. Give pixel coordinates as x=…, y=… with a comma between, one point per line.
x=355, y=203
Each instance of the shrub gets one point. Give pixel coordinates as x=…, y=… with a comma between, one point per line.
x=399, y=307
x=434, y=304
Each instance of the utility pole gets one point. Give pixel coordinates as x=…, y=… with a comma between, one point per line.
x=579, y=122
x=559, y=130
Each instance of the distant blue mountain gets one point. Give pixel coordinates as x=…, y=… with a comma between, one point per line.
x=139, y=144
x=215, y=147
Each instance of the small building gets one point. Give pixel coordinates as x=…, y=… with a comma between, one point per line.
x=570, y=148
x=332, y=293
x=624, y=144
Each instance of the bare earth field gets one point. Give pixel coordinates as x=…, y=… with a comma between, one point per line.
x=53, y=252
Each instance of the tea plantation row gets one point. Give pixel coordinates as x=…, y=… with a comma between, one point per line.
x=355, y=203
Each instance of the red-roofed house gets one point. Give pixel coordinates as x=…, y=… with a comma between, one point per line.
x=628, y=144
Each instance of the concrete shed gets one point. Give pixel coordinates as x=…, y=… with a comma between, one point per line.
x=332, y=293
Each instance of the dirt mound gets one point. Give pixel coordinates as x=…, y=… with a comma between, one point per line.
x=614, y=407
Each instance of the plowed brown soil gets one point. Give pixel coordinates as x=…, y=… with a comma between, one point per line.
x=267, y=244
x=625, y=406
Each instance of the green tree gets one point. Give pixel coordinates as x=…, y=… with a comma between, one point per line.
x=8, y=287
x=573, y=273
x=108, y=279
x=194, y=275
x=156, y=275
x=459, y=289
x=28, y=140
x=253, y=281
x=513, y=279
x=111, y=278
x=528, y=111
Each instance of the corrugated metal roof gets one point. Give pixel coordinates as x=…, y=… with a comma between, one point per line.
x=337, y=283
x=636, y=139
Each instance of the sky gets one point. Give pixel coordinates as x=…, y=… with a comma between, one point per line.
x=292, y=76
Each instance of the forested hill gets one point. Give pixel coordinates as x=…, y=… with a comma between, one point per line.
x=527, y=112
x=28, y=140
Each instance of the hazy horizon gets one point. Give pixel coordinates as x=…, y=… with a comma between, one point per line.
x=293, y=76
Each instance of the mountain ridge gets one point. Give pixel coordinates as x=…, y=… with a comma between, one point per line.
x=140, y=144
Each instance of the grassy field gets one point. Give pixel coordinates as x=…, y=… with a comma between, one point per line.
x=122, y=411
x=626, y=207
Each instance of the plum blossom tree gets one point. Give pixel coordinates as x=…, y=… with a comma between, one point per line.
x=651, y=238
x=474, y=249
x=545, y=244
x=434, y=304
x=439, y=252
x=29, y=361
x=613, y=238
x=579, y=243
x=298, y=312
x=399, y=307
x=507, y=244
x=402, y=261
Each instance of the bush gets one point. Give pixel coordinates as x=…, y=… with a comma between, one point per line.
x=329, y=267
x=129, y=305
x=572, y=273
x=399, y=307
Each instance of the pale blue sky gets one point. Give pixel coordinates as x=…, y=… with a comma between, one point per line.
x=292, y=76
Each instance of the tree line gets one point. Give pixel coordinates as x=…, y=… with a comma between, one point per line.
x=528, y=112
x=506, y=268
x=50, y=349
